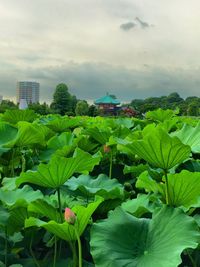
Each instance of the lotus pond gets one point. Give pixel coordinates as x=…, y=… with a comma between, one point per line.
x=104, y=192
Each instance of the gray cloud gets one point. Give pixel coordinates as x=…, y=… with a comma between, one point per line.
x=63, y=42
x=92, y=80
x=127, y=26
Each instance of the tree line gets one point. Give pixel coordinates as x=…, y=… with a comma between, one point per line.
x=187, y=107
x=65, y=103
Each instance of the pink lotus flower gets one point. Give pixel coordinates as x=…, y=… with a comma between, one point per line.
x=70, y=216
x=106, y=149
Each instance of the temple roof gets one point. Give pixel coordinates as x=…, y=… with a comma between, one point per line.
x=107, y=100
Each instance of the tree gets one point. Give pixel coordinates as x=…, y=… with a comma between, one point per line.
x=42, y=109
x=93, y=111
x=193, y=109
x=174, y=98
x=82, y=108
x=61, y=99
x=7, y=104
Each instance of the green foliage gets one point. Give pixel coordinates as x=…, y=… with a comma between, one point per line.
x=123, y=240
x=62, y=100
x=190, y=106
x=15, y=116
x=66, y=231
x=53, y=162
x=60, y=169
x=160, y=115
x=102, y=186
x=190, y=136
x=82, y=108
x=158, y=149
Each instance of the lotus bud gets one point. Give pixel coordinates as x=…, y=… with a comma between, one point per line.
x=70, y=216
x=106, y=149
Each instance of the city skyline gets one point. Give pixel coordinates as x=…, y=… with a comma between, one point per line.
x=130, y=48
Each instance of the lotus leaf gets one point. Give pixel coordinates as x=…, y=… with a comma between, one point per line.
x=60, y=169
x=124, y=240
x=102, y=186
x=65, y=230
x=190, y=136
x=158, y=149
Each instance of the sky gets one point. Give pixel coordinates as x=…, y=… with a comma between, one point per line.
x=129, y=48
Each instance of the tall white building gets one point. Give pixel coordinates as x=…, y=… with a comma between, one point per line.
x=29, y=91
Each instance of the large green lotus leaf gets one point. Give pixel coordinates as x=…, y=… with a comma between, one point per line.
x=64, y=139
x=19, y=197
x=15, y=115
x=86, y=144
x=4, y=216
x=138, y=206
x=85, y=162
x=98, y=134
x=125, y=122
x=44, y=130
x=146, y=182
x=7, y=134
x=160, y=115
x=184, y=189
x=28, y=134
x=65, y=230
x=190, y=136
x=170, y=124
x=124, y=240
x=136, y=170
x=102, y=186
x=9, y=183
x=63, y=124
x=158, y=149
x=60, y=169
x=45, y=209
x=16, y=219
x=59, y=145
x=191, y=165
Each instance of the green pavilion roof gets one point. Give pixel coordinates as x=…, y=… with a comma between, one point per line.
x=107, y=100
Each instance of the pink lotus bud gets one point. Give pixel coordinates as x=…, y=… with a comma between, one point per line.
x=70, y=216
x=106, y=149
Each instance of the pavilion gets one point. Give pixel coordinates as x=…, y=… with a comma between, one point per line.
x=108, y=105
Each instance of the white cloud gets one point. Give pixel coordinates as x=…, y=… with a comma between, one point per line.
x=39, y=38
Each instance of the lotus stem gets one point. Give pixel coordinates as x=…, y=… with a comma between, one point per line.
x=111, y=164
x=32, y=253
x=55, y=253
x=59, y=204
x=23, y=163
x=73, y=249
x=6, y=247
x=79, y=248
x=167, y=187
x=191, y=259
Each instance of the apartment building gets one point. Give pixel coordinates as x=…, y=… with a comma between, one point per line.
x=29, y=91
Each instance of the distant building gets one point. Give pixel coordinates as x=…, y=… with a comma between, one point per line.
x=1, y=98
x=29, y=91
x=107, y=105
x=23, y=104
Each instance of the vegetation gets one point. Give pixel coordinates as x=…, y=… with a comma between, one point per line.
x=66, y=104
x=190, y=106
x=99, y=191
x=63, y=101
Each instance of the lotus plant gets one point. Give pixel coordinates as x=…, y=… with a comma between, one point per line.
x=71, y=218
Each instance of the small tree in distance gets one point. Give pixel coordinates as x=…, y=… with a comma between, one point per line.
x=61, y=99
x=82, y=108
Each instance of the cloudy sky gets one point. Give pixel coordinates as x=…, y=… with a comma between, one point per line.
x=130, y=48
